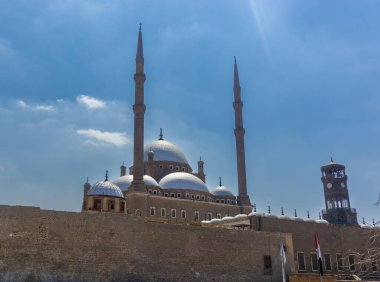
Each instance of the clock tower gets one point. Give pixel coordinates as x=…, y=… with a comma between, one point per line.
x=338, y=209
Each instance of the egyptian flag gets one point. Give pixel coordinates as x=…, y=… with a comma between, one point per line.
x=319, y=255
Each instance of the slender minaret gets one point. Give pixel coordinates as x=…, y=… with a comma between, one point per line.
x=139, y=111
x=243, y=198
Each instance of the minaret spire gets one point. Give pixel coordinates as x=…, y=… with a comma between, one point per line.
x=243, y=198
x=139, y=111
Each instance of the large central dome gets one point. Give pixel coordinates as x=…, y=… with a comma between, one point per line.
x=164, y=151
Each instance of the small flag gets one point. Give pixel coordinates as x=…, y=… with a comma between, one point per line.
x=283, y=261
x=319, y=254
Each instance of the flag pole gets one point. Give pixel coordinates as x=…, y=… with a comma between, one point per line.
x=319, y=257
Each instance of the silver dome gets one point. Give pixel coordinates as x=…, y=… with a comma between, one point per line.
x=105, y=188
x=125, y=181
x=221, y=191
x=164, y=151
x=184, y=181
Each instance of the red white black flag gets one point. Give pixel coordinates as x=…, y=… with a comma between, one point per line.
x=319, y=254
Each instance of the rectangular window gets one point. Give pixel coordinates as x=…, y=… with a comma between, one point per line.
x=192, y=196
x=187, y=196
x=228, y=201
x=363, y=264
x=232, y=202
x=171, y=167
x=218, y=215
x=339, y=262
x=351, y=262
x=111, y=205
x=203, y=197
x=163, y=212
x=174, y=213
x=172, y=195
x=198, y=197
x=154, y=192
x=183, y=214
x=314, y=261
x=267, y=265
x=177, y=168
x=166, y=194
x=209, y=216
x=327, y=260
x=97, y=204
x=196, y=216
x=152, y=211
x=183, y=169
x=150, y=191
x=222, y=201
x=160, y=166
x=122, y=206
x=301, y=261
x=178, y=195
x=374, y=266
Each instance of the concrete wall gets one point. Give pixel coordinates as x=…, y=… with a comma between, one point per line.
x=40, y=245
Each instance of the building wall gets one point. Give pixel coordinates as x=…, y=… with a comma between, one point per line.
x=143, y=203
x=41, y=245
x=334, y=239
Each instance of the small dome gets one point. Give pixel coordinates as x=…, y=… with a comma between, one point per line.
x=322, y=221
x=125, y=181
x=105, y=188
x=221, y=191
x=184, y=181
x=164, y=151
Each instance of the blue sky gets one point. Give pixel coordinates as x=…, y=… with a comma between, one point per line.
x=309, y=72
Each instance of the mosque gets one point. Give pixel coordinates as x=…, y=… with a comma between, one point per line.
x=162, y=175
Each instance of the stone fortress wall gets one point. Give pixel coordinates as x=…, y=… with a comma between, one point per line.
x=43, y=245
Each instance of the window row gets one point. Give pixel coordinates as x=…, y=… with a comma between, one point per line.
x=191, y=197
x=225, y=201
x=183, y=214
x=327, y=263
x=172, y=167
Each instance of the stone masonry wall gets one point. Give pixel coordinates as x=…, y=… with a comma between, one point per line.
x=41, y=245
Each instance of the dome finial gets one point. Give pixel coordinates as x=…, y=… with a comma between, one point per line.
x=295, y=212
x=106, y=175
x=220, y=181
x=140, y=27
x=87, y=180
x=331, y=159
x=282, y=211
x=308, y=214
x=161, y=135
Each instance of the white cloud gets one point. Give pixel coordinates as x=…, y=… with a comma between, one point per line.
x=22, y=104
x=90, y=102
x=42, y=108
x=102, y=138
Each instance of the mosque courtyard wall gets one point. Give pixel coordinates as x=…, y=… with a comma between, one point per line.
x=42, y=245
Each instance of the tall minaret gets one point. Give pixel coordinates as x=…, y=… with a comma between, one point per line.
x=139, y=111
x=243, y=198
